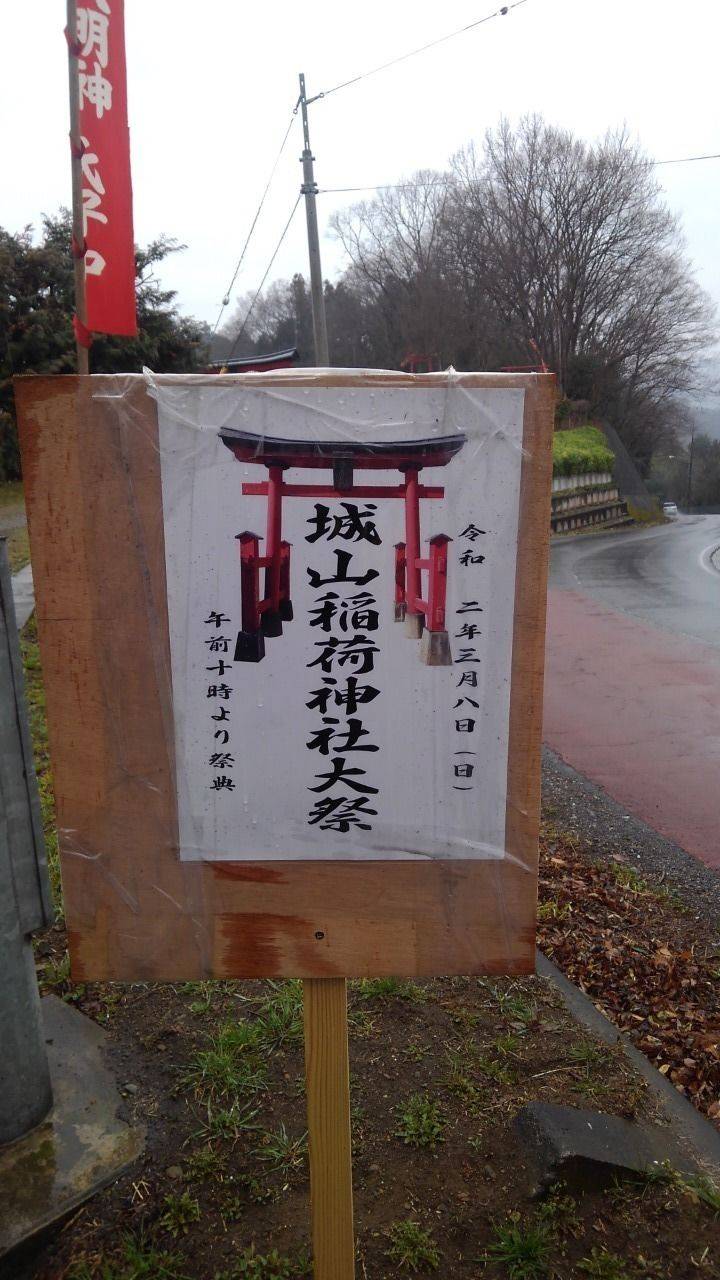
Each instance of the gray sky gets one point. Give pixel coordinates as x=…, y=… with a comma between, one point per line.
x=211, y=88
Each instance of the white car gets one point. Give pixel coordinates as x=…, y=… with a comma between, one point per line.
x=670, y=509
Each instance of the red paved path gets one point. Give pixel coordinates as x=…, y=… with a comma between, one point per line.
x=637, y=710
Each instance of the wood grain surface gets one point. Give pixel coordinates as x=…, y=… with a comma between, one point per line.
x=327, y=1087
x=92, y=479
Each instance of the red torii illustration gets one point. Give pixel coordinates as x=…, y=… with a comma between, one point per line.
x=263, y=616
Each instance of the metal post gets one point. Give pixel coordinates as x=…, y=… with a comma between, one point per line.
x=688, y=501
x=309, y=190
x=78, y=230
x=26, y=1093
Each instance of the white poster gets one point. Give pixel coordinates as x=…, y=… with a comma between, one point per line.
x=341, y=578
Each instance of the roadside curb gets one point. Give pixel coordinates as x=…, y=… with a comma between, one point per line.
x=686, y=1123
x=23, y=595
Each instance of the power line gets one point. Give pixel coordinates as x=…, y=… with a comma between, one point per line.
x=686, y=159
x=268, y=269
x=258, y=211
x=443, y=182
x=432, y=44
x=383, y=186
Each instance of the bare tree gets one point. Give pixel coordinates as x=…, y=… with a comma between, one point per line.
x=395, y=246
x=577, y=250
x=540, y=236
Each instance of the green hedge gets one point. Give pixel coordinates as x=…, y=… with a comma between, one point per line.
x=581, y=450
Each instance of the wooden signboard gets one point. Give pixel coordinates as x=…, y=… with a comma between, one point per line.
x=292, y=632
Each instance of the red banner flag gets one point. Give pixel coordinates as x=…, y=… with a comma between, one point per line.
x=104, y=146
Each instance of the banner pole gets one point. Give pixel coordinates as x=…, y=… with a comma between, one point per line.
x=327, y=1077
x=83, y=354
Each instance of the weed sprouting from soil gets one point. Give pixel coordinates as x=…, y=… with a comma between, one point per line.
x=496, y=1069
x=415, y=1051
x=553, y=910
x=560, y=1212
x=696, y=1186
x=206, y=1163
x=280, y=1014
x=523, y=1249
x=421, y=1122
x=390, y=989
x=603, y=1265
x=511, y=1004
x=181, y=1211
x=225, y=1069
x=257, y=1191
x=228, y=1123
x=412, y=1248
x=35, y=699
x=281, y=1151
x=271, y=1266
x=136, y=1259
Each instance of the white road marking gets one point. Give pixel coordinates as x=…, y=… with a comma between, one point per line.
x=706, y=559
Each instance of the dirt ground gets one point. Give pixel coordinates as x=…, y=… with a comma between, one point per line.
x=439, y=1070
x=442, y=1184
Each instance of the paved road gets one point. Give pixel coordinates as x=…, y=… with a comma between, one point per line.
x=665, y=575
x=633, y=673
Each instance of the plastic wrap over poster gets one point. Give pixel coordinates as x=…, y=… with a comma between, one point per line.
x=341, y=579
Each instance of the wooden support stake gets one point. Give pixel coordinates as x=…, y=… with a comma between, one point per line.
x=327, y=1076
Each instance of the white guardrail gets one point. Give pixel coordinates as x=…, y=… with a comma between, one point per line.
x=576, y=482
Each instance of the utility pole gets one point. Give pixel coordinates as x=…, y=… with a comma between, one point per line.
x=309, y=190
x=688, y=501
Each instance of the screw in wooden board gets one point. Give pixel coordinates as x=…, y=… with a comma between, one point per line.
x=319, y=934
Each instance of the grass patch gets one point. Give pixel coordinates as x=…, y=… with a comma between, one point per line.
x=206, y=1163
x=280, y=1015
x=588, y=1055
x=390, y=989
x=496, y=1069
x=581, y=450
x=35, y=698
x=560, y=1212
x=136, y=1259
x=551, y=909
x=230, y=1066
x=523, y=1250
x=456, y=1078
x=421, y=1122
x=412, y=1248
x=11, y=494
x=227, y=1123
x=603, y=1265
x=514, y=1007
x=695, y=1185
x=415, y=1051
x=18, y=549
x=234, y=1062
x=270, y=1266
x=281, y=1151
